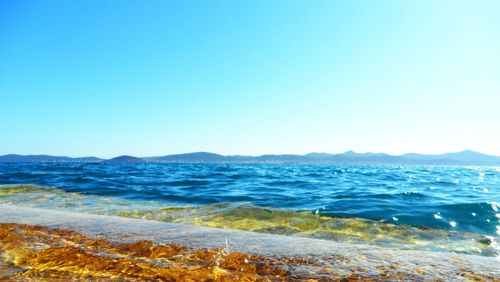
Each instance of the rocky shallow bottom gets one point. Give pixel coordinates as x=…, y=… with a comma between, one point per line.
x=44, y=245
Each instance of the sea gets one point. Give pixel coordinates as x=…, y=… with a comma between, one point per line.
x=438, y=208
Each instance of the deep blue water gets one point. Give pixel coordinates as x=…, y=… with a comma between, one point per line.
x=461, y=198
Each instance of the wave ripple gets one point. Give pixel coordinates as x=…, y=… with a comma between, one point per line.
x=449, y=198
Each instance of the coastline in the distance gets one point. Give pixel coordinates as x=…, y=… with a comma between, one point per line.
x=466, y=157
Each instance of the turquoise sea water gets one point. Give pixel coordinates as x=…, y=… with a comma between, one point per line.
x=433, y=207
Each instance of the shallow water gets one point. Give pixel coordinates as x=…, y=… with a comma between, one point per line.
x=436, y=208
x=77, y=246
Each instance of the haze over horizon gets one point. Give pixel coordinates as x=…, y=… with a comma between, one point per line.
x=93, y=78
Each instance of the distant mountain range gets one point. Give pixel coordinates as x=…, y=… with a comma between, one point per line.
x=44, y=158
x=461, y=158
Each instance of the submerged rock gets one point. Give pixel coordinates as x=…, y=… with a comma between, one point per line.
x=41, y=244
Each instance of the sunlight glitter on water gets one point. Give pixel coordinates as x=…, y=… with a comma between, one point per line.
x=336, y=202
x=259, y=219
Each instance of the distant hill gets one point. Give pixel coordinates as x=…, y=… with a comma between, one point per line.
x=45, y=158
x=464, y=157
x=349, y=157
x=460, y=158
x=125, y=159
x=190, y=157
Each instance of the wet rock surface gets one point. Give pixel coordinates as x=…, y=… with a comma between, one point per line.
x=42, y=245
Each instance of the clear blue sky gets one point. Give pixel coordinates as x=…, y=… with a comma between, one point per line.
x=148, y=78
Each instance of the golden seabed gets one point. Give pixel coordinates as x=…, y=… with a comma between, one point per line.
x=35, y=253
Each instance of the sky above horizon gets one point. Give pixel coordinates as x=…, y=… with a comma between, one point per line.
x=146, y=78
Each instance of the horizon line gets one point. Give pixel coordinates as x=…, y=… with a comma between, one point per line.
x=257, y=155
